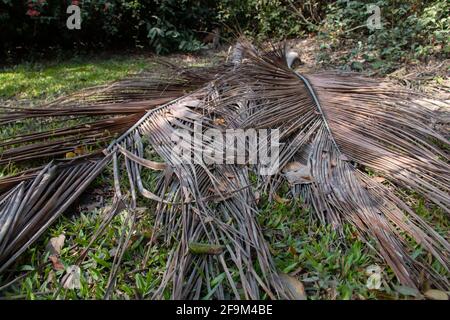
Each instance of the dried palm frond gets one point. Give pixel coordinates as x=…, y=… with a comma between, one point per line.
x=31, y=200
x=332, y=126
x=100, y=114
x=212, y=205
x=29, y=208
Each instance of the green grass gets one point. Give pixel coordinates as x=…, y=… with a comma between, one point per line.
x=35, y=83
x=133, y=281
x=47, y=80
x=315, y=254
x=330, y=265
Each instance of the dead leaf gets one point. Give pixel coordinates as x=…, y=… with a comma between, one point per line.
x=56, y=263
x=379, y=179
x=80, y=150
x=292, y=166
x=71, y=279
x=51, y=276
x=55, y=244
x=294, y=286
x=297, y=173
x=257, y=196
x=292, y=251
x=219, y=121
x=435, y=294
x=279, y=199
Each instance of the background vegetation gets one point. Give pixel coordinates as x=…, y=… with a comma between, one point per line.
x=411, y=29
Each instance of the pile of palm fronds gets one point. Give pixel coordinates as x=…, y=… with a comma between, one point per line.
x=333, y=126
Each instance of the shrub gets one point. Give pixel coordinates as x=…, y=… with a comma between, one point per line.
x=164, y=25
x=411, y=28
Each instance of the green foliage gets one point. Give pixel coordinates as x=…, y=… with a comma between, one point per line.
x=44, y=81
x=409, y=30
x=317, y=254
x=269, y=18
x=162, y=25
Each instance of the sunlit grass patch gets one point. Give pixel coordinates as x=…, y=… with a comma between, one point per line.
x=47, y=80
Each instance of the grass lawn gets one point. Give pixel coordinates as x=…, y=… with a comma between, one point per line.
x=48, y=80
x=331, y=266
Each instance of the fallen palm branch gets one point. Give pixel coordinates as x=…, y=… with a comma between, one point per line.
x=332, y=125
x=28, y=209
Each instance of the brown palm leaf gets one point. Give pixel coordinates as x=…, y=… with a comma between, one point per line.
x=332, y=127
x=334, y=124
